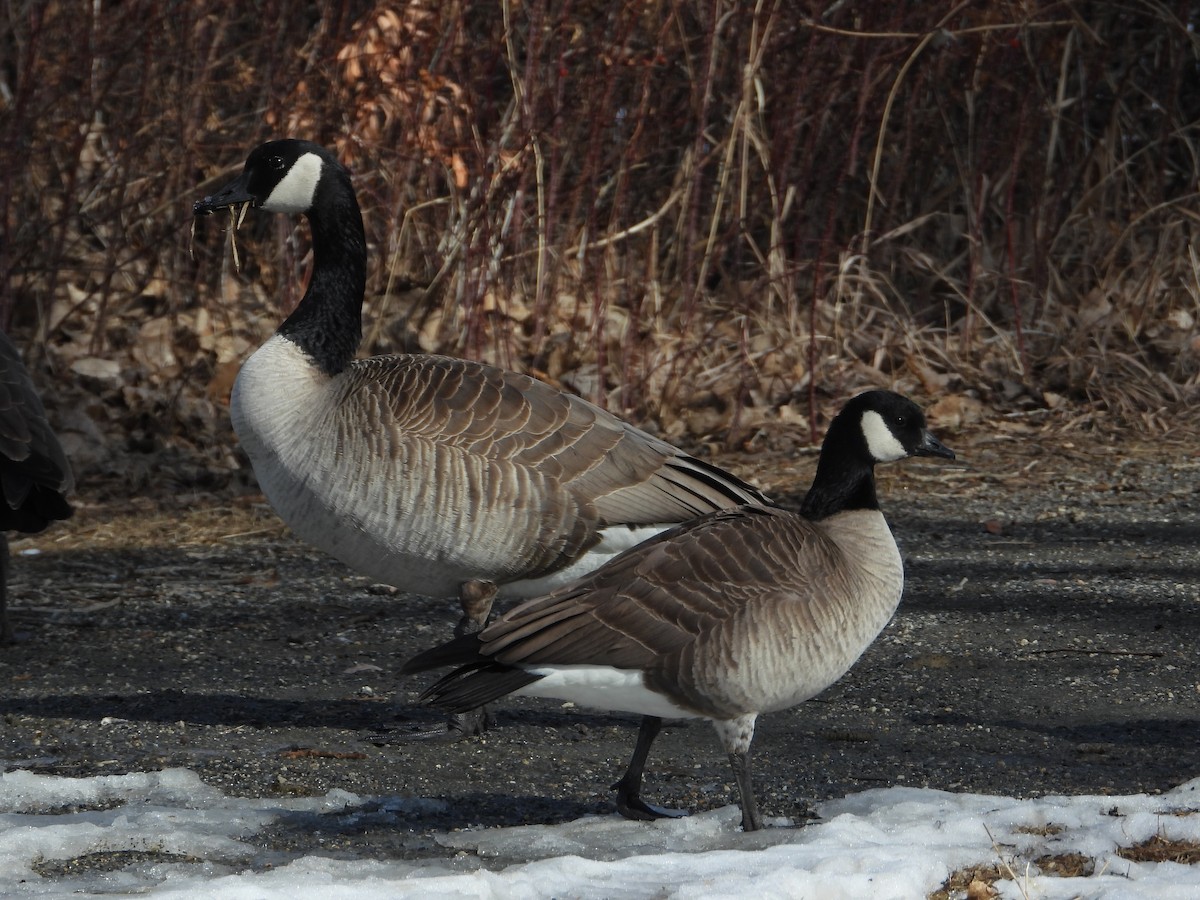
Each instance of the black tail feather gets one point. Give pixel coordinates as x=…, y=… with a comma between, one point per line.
x=461, y=651
x=475, y=685
x=476, y=682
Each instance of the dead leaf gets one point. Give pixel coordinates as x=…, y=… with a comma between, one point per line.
x=955, y=411
x=460, y=171
x=220, y=386
x=95, y=367
x=1094, y=308
x=981, y=890
x=155, y=346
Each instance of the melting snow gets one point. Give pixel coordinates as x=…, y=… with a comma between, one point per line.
x=886, y=843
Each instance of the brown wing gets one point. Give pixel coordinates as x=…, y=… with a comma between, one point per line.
x=501, y=415
x=558, y=467
x=682, y=587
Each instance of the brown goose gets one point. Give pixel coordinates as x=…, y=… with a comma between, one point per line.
x=742, y=612
x=35, y=477
x=439, y=476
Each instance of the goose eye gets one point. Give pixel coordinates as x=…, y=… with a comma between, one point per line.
x=276, y=163
x=902, y=421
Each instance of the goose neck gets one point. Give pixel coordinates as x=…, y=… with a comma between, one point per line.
x=839, y=485
x=327, y=322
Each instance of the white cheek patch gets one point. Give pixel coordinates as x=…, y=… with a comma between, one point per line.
x=881, y=443
x=295, y=192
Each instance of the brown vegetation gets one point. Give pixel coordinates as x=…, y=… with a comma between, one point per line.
x=713, y=217
x=1163, y=849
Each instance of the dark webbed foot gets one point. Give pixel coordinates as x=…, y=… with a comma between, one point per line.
x=469, y=724
x=632, y=806
x=629, y=789
x=459, y=727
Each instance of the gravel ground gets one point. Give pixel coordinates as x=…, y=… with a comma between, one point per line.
x=1048, y=642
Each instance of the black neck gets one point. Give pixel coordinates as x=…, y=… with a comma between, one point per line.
x=840, y=492
x=327, y=323
x=845, y=476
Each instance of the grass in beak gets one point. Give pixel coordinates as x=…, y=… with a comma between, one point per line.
x=237, y=213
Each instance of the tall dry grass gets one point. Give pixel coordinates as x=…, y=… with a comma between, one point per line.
x=711, y=216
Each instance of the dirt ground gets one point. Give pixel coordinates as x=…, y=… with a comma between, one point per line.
x=1048, y=642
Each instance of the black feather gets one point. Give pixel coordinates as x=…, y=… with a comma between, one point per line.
x=477, y=681
x=461, y=651
x=472, y=686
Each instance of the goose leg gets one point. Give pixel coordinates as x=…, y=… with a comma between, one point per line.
x=751, y=817
x=736, y=735
x=476, y=599
x=629, y=801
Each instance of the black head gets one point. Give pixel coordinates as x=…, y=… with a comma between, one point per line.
x=885, y=426
x=875, y=427
x=280, y=176
x=292, y=176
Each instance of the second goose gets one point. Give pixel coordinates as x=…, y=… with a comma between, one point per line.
x=438, y=476
x=742, y=612
x=35, y=477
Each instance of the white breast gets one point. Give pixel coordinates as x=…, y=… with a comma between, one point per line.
x=274, y=401
x=284, y=413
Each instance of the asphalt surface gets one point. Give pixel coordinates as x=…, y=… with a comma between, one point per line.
x=1048, y=642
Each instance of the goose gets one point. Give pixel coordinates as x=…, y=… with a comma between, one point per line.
x=35, y=477
x=439, y=476
x=744, y=611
